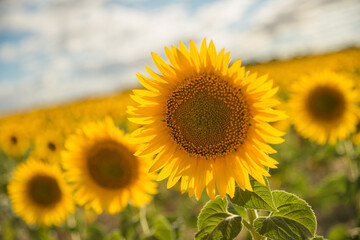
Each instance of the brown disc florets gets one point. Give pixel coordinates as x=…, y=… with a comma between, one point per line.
x=326, y=103
x=112, y=165
x=208, y=117
x=44, y=190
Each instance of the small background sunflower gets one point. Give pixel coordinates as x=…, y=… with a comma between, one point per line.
x=39, y=194
x=103, y=172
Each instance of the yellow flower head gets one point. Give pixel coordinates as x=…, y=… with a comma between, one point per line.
x=104, y=173
x=355, y=138
x=14, y=139
x=323, y=107
x=206, y=121
x=48, y=146
x=39, y=194
x=284, y=124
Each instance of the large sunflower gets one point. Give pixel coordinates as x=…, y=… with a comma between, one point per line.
x=323, y=107
x=207, y=122
x=104, y=173
x=39, y=193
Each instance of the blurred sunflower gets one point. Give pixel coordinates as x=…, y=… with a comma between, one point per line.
x=48, y=146
x=323, y=107
x=207, y=122
x=104, y=173
x=39, y=193
x=355, y=137
x=14, y=139
x=284, y=124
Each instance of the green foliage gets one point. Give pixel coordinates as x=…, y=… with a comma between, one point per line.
x=300, y=169
x=334, y=189
x=235, y=209
x=163, y=229
x=115, y=235
x=290, y=217
x=215, y=222
x=39, y=233
x=129, y=225
x=338, y=232
x=6, y=232
x=338, y=186
x=94, y=232
x=318, y=238
x=260, y=198
x=293, y=220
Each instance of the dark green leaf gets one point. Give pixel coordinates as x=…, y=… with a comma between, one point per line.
x=214, y=222
x=294, y=219
x=260, y=198
x=211, y=207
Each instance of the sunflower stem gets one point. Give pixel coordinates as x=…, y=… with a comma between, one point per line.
x=43, y=233
x=349, y=155
x=143, y=222
x=351, y=162
x=252, y=215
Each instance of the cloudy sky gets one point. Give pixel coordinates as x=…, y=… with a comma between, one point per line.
x=54, y=51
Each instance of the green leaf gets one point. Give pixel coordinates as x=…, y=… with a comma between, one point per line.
x=115, y=235
x=163, y=229
x=294, y=219
x=236, y=209
x=260, y=198
x=214, y=222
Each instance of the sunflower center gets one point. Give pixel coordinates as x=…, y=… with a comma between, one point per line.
x=326, y=103
x=207, y=117
x=357, y=127
x=13, y=140
x=51, y=146
x=112, y=165
x=44, y=190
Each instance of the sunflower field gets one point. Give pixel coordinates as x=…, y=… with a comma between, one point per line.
x=206, y=149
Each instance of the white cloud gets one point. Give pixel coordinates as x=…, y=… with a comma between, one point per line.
x=82, y=47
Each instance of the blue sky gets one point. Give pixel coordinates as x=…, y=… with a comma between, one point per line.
x=54, y=51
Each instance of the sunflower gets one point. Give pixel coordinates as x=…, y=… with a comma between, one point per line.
x=323, y=107
x=39, y=193
x=104, y=173
x=48, y=145
x=14, y=139
x=284, y=124
x=206, y=122
x=355, y=138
